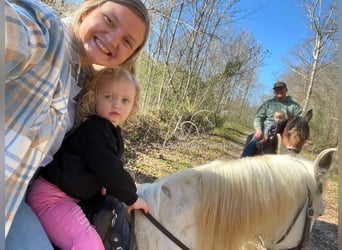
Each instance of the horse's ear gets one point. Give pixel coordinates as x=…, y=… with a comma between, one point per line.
x=308, y=116
x=323, y=163
x=289, y=115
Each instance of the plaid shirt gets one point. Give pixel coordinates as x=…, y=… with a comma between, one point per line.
x=42, y=67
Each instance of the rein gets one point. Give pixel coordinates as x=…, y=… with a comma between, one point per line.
x=296, y=150
x=305, y=240
x=161, y=228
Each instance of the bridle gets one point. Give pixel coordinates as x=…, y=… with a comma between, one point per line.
x=293, y=149
x=306, y=237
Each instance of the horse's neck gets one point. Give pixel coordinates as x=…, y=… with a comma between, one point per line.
x=177, y=218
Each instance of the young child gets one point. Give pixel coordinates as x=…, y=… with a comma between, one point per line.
x=274, y=127
x=88, y=161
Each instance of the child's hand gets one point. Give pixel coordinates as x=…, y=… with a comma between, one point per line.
x=139, y=204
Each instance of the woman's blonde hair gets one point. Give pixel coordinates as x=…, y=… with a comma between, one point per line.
x=87, y=102
x=134, y=5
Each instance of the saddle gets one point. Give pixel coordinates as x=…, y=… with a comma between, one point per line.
x=110, y=219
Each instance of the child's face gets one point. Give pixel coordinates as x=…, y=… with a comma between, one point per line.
x=278, y=117
x=115, y=99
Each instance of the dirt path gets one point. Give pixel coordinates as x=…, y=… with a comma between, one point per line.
x=155, y=161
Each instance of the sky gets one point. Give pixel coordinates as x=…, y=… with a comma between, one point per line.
x=278, y=25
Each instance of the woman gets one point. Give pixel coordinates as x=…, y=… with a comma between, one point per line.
x=45, y=61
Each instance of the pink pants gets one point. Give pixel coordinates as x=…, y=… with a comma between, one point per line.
x=63, y=220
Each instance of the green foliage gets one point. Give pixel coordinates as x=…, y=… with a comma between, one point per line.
x=145, y=129
x=230, y=131
x=233, y=67
x=163, y=126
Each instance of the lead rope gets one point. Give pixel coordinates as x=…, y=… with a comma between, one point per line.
x=160, y=227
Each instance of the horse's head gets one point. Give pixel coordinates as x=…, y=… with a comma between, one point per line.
x=297, y=233
x=296, y=132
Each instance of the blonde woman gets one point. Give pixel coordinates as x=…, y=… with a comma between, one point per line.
x=46, y=62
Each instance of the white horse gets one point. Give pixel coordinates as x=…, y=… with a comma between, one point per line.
x=224, y=204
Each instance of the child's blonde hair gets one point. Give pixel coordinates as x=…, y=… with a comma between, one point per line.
x=279, y=116
x=279, y=113
x=87, y=102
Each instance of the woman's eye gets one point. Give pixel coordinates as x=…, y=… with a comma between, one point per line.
x=106, y=18
x=128, y=43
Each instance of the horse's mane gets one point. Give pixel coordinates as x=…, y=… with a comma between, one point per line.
x=240, y=197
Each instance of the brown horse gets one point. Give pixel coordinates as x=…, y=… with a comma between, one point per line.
x=295, y=133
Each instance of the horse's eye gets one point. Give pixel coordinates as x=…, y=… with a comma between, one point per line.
x=166, y=190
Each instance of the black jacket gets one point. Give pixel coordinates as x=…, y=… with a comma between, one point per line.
x=90, y=158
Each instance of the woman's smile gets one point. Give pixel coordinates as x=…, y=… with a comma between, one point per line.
x=102, y=46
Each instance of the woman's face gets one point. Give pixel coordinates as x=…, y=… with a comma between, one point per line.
x=110, y=34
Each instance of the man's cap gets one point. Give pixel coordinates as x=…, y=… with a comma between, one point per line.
x=279, y=84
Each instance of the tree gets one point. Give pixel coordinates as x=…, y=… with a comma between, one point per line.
x=316, y=52
x=191, y=44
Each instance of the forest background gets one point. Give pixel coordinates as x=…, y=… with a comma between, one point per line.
x=198, y=71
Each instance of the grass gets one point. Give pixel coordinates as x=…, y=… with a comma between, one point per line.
x=333, y=177
x=230, y=131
